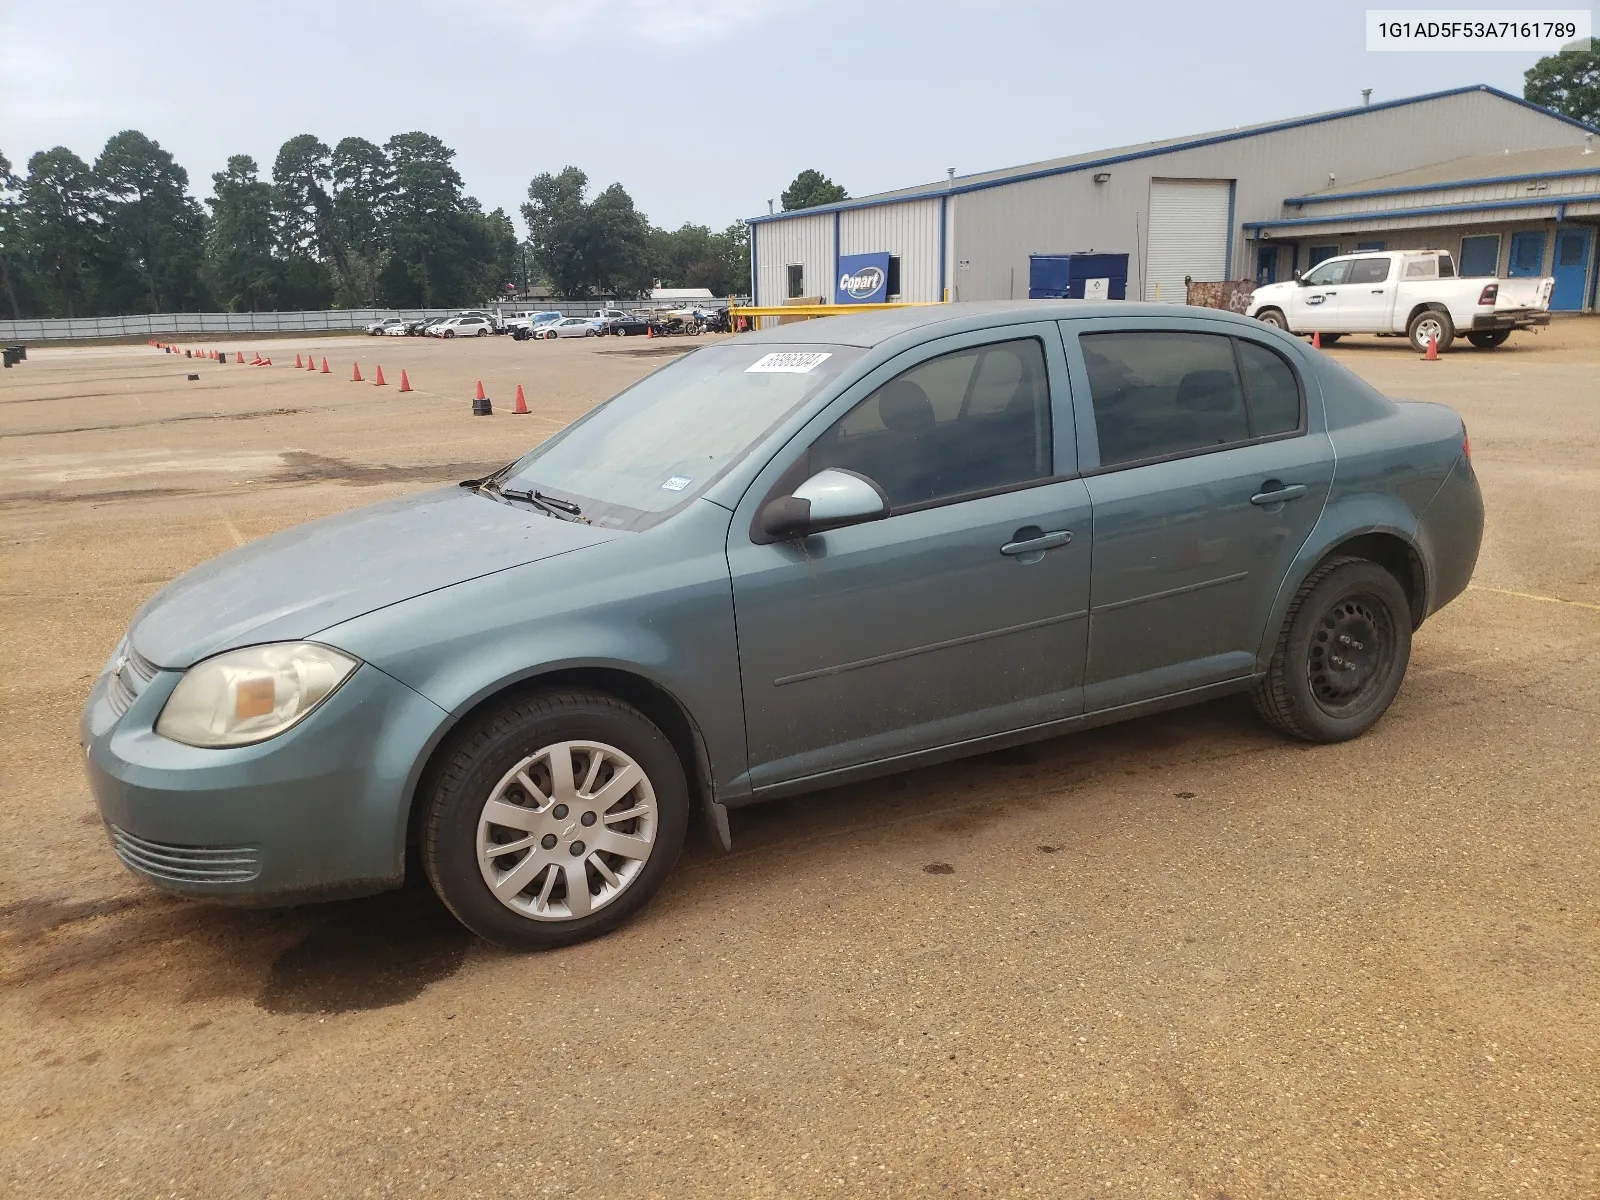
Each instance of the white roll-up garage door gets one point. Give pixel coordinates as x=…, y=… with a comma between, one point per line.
x=1188, y=235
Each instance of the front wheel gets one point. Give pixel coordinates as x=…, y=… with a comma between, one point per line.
x=1341, y=655
x=449, y=333
x=1273, y=317
x=1431, y=325
x=554, y=819
x=1488, y=339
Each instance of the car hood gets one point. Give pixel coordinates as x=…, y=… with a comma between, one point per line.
x=1272, y=289
x=295, y=583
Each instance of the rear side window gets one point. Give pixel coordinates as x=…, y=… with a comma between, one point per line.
x=1369, y=270
x=1161, y=394
x=971, y=421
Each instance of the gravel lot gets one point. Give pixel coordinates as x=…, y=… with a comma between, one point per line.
x=1177, y=958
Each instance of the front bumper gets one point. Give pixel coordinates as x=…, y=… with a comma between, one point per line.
x=1509, y=320
x=318, y=811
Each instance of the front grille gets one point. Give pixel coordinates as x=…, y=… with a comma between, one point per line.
x=187, y=864
x=128, y=680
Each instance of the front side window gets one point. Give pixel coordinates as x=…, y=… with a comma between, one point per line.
x=1159, y=394
x=970, y=421
x=1369, y=270
x=1329, y=274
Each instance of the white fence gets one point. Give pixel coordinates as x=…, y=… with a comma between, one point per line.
x=155, y=325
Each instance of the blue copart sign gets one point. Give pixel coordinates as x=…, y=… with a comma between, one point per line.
x=863, y=279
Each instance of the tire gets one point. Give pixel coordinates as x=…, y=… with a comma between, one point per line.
x=449, y=333
x=483, y=333
x=1431, y=321
x=1273, y=317
x=1488, y=339
x=480, y=775
x=1305, y=693
x=1329, y=339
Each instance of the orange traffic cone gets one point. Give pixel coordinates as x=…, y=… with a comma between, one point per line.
x=378, y=378
x=325, y=370
x=649, y=330
x=300, y=365
x=255, y=358
x=405, y=384
x=480, y=395
x=1433, y=350
x=520, y=409
x=1316, y=341
x=265, y=362
x=311, y=362
x=240, y=353
x=355, y=373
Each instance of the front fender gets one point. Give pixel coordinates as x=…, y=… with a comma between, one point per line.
x=657, y=605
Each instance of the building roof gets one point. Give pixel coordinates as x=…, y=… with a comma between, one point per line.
x=1100, y=158
x=1465, y=172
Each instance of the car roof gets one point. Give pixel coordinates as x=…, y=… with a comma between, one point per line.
x=937, y=320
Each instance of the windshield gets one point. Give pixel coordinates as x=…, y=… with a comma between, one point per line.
x=658, y=445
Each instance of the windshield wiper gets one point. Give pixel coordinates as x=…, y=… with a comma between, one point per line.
x=566, y=506
x=559, y=509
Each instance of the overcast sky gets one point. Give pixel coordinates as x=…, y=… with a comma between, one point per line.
x=702, y=109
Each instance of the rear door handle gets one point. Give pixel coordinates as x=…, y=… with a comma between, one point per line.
x=1278, y=495
x=1037, y=545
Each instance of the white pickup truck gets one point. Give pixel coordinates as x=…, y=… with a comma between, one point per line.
x=1410, y=293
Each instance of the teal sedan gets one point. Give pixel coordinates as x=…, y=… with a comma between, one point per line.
x=795, y=559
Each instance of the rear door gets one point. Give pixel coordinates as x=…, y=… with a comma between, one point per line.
x=1207, y=466
x=1366, y=299
x=960, y=615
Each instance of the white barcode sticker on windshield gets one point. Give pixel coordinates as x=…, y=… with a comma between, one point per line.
x=676, y=484
x=790, y=362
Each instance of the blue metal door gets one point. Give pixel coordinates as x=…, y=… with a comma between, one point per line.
x=1527, y=253
x=1571, y=269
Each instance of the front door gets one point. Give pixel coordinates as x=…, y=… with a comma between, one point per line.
x=960, y=615
x=1527, y=254
x=1314, y=307
x=1211, y=474
x=1571, y=269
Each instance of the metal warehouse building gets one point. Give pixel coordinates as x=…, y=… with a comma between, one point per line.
x=1504, y=184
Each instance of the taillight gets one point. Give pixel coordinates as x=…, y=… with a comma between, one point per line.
x=1466, y=446
x=1489, y=293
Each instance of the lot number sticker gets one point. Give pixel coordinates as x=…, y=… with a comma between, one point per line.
x=789, y=362
x=676, y=484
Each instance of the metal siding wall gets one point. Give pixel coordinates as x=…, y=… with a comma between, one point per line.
x=909, y=230
x=999, y=227
x=1570, y=186
x=807, y=240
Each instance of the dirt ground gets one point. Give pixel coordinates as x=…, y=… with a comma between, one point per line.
x=1178, y=958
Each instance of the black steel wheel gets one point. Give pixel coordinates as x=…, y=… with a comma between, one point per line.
x=1341, y=655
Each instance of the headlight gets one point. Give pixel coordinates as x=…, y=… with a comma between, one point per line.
x=250, y=695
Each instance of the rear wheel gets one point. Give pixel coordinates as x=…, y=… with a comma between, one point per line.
x=1341, y=655
x=554, y=819
x=1431, y=325
x=1488, y=339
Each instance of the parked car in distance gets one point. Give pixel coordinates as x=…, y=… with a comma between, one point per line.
x=518, y=325
x=571, y=327
x=813, y=555
x=1411, y=293
x=454, y=327
x=402, y=329
x=374, y=328
x=606, y=314
x=628, y=324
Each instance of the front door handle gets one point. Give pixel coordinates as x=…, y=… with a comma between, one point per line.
x=1272, y=492
x=1039, y=544
x=1377, y=291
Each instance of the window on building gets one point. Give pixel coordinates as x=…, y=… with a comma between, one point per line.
x=893, y=288
x=797, y=281
x=966, y=422
x=1369, y=270
x=1372, y=245
x=1317, y=253
x=1162, y=394
x=1480, y=256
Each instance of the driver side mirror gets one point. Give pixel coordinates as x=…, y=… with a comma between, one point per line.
x=1299, y=280
x=830, y=499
